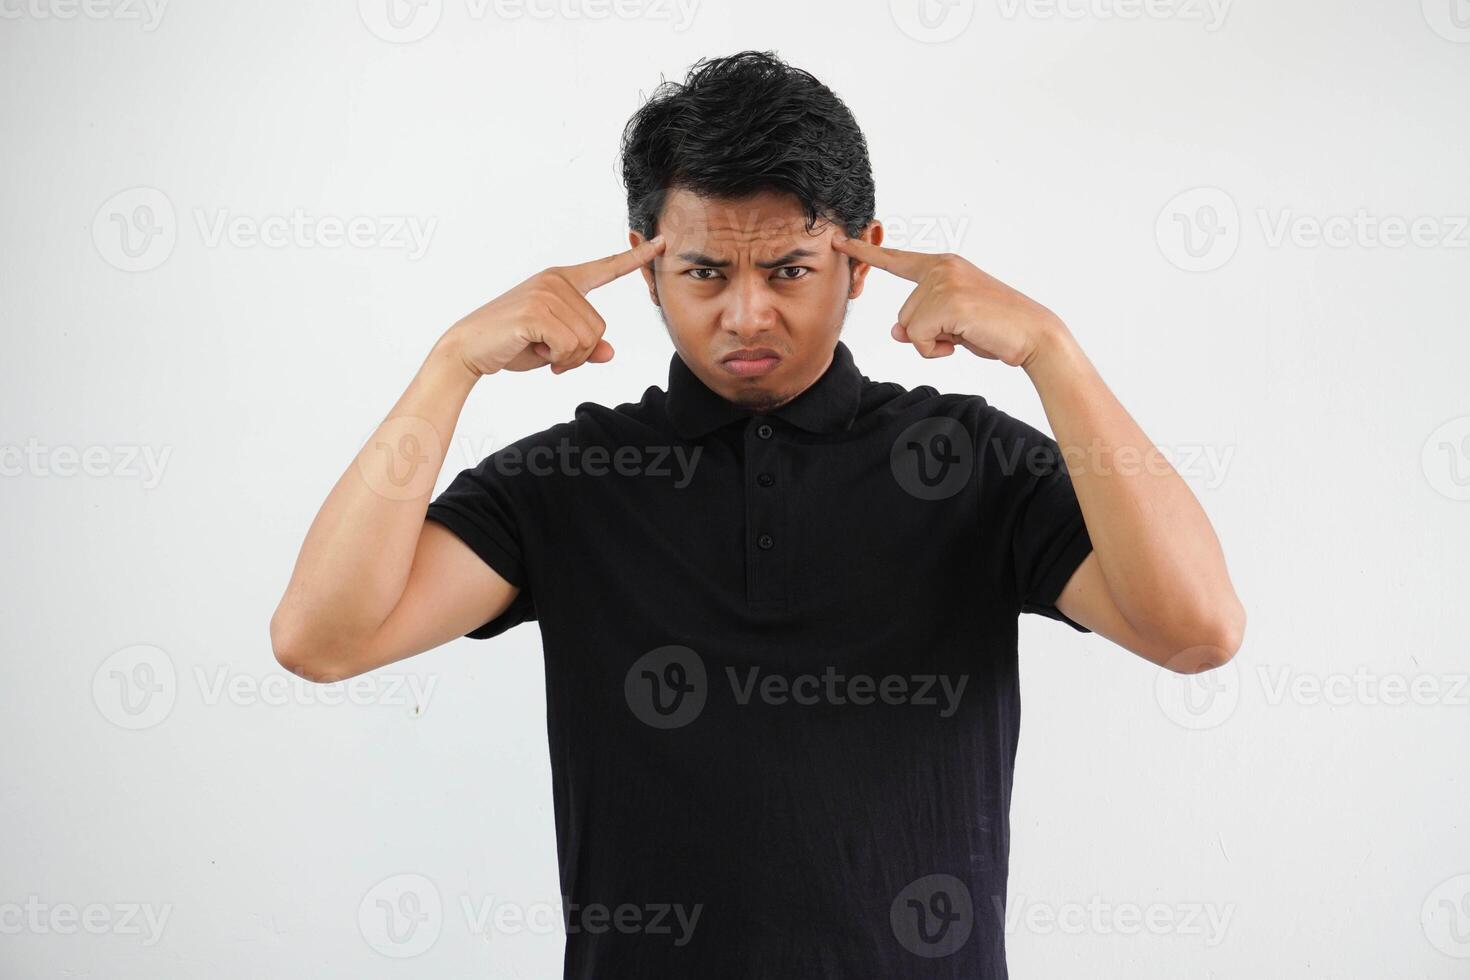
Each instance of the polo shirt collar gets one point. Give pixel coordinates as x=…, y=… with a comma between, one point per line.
x=829, y=404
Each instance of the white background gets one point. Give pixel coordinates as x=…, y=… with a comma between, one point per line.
x=1305, y=797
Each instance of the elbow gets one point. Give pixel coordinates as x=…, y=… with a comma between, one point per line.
x=296, y=654
x=1211, y=641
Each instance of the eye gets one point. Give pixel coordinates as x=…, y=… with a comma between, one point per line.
x=696, y=274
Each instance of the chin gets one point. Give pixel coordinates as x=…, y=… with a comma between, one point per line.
x=757, y=400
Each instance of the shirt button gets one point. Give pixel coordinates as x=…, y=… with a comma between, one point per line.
x=765, y=479
x=766, y=541
x=764, y=430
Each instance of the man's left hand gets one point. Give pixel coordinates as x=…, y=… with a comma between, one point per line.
x=955, y=303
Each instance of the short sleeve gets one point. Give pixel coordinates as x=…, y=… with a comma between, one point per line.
x=1029, y=512
x=480, y=506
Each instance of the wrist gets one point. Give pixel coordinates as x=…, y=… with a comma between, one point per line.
x=1054, y=347
x=446, y=364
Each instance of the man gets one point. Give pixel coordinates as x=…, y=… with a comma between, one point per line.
x=778, y=600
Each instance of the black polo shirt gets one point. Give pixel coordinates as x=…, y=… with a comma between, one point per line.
x=781, y=677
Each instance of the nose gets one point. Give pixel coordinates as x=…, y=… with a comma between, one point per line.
x=750, y=308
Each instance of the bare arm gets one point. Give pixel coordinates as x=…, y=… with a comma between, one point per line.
x=375, y=582
x=371, y=561
x=1156, y=581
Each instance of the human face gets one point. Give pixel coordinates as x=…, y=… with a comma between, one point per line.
x=753, y=302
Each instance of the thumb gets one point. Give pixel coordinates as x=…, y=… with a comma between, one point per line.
x=939, y=346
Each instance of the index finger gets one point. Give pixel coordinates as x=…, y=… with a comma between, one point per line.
x=906, y=265
x=599, y=272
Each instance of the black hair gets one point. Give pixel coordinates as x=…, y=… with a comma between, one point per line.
x=744, y=124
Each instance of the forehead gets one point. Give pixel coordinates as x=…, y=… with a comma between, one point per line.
x=769, y=220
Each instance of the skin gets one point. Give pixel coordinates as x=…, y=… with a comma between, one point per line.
x=1156, y=582
x=748, y=274
x=376, y=583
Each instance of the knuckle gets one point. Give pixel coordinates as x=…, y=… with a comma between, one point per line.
x=551, y=278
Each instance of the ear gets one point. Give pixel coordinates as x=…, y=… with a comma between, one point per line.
x=634, y=240
x=872, y=234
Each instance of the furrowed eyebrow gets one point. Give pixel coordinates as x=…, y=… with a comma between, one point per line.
x=702, y=260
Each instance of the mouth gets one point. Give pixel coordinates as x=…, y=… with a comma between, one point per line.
x=751, y=361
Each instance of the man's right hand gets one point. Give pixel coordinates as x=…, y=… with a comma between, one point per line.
x=545, y=319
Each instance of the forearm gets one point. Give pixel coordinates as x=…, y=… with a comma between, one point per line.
x=1154, y=543
x=359, y=550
